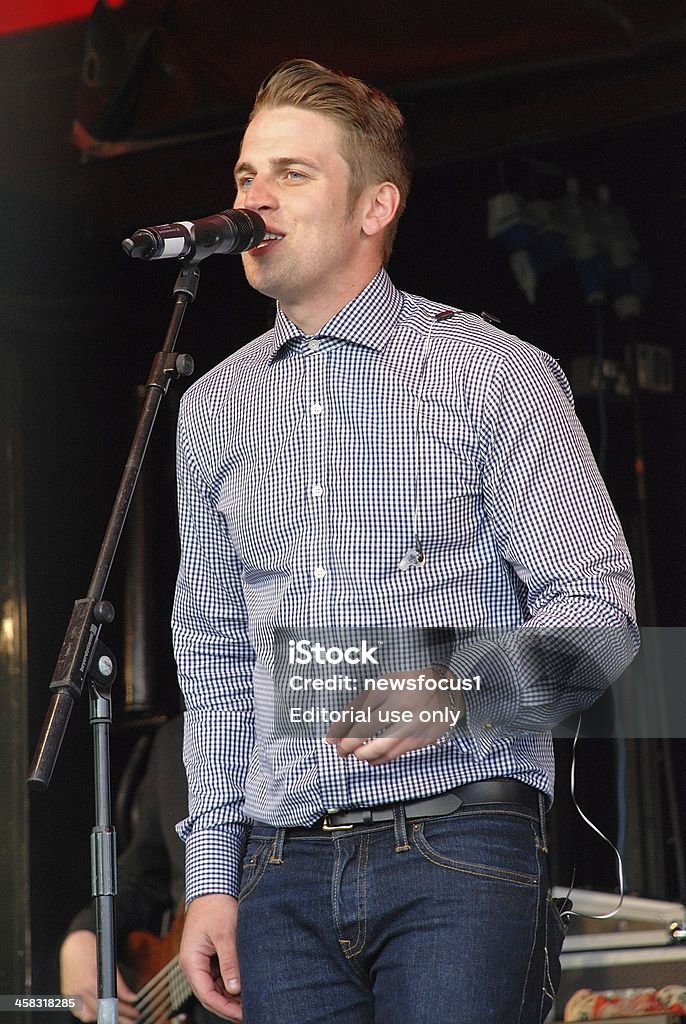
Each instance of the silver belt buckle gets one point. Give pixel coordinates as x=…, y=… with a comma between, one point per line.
x=328, y=827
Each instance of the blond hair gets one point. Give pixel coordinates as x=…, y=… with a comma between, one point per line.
x=374, y=140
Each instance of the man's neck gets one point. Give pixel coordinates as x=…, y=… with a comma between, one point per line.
x=310, y=317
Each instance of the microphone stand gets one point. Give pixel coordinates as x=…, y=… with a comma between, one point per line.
x=84, y=658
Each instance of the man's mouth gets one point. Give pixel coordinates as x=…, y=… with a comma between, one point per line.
x=269, y=236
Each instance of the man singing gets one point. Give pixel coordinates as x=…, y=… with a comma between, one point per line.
x=389, y=516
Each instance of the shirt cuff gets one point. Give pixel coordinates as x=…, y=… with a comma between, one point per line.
x=492, y=700
x=214, y=860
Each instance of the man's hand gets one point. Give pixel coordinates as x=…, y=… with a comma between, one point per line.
x=411, y=716
x=208, y=954
x=79, y=977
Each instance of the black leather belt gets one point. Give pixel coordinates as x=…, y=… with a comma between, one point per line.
x=490, y=791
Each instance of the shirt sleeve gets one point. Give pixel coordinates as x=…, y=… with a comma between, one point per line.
x=215, y=664
x=556, y=529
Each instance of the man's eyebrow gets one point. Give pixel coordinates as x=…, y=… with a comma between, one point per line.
x=245, y=167
x=242, y=166
x=287, y=161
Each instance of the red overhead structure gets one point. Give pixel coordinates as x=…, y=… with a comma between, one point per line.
x=18, y=15
x=135, y=75
x=158, y=68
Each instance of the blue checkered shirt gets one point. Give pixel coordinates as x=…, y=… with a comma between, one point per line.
x=309, y=471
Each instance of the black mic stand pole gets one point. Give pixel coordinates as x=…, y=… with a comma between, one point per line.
x=83, y=657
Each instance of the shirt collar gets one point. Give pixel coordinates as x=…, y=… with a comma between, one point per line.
x=366, y=320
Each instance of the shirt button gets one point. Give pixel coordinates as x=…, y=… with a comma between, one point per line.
x=317, y=408
x=319, y=572
x=313, y=344
x=317, y=490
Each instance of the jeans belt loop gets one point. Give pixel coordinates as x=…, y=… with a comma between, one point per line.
x=400, y=829
x=542, y=814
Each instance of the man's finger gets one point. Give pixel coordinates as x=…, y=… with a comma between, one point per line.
x=228, y=973
x=380, y=752
x=366, y=703
x=208, y=985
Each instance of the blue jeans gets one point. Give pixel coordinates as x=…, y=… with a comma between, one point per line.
x=444, y=920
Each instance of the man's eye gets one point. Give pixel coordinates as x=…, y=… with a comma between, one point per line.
x=294, y=175
x=245, y=181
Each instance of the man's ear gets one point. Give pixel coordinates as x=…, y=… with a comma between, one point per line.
x=380, y=205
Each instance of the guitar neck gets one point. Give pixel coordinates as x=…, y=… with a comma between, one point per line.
x=164, y=995
x=157, y=976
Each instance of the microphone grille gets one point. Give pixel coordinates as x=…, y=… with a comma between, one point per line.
x=250, y=228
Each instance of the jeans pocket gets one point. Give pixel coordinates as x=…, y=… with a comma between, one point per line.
x=498, y=847
x=254, y=864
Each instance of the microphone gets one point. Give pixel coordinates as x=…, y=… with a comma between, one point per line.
x=227, y=232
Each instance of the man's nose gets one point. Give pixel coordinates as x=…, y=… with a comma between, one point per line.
x=261, y=195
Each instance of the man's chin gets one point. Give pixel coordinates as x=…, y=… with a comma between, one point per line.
x=262, y=283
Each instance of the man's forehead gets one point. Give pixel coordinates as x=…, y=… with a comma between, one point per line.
x=278, y=126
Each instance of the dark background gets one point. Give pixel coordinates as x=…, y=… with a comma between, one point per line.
x=518, y=99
